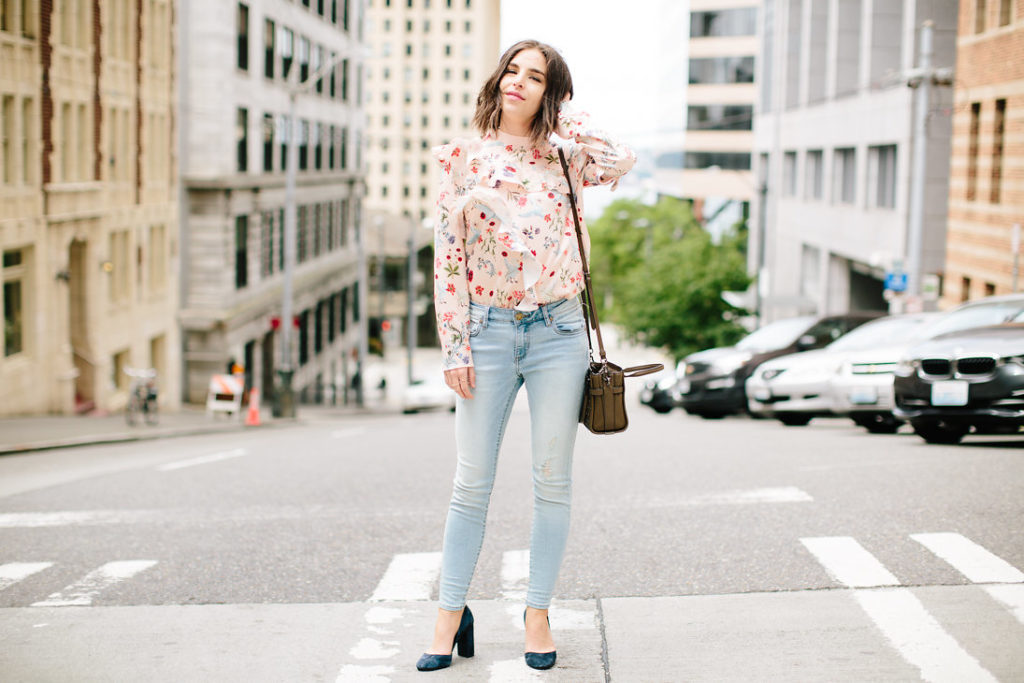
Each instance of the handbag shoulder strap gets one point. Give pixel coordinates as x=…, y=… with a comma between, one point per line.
x=583, y=259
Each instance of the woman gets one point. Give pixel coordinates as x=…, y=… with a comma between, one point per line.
x=507, y=274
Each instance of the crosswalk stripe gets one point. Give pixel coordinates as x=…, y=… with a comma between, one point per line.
x=83, y=592
x=1011, y=595
x=410, y=576
x=970, y=559
x=919, y=638
x=849, y=563
x=13, y=572
x=515, y=574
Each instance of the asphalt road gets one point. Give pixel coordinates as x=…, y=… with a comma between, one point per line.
x=700, y=550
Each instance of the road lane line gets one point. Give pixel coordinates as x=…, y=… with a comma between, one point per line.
x=202, y=460
x=919, y=638
x=83, y=592
x=849, y=563
x=13, y=572
x=410, y=576
x=1011, y=595
x=970, y=559
x=515, y=574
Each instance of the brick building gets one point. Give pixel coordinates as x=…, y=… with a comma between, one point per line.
x=88, y=202
x=987, y=166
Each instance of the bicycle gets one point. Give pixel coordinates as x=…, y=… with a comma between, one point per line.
x=142, y=395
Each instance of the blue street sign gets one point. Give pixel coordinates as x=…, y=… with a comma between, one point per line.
x=896, y=282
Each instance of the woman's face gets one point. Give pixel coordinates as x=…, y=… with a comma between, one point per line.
x=522, y=85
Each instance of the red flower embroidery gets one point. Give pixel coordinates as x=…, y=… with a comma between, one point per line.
x=456, y=152
x=536, y=154
x=469, y=275
x=450, y=288
x=479, y=290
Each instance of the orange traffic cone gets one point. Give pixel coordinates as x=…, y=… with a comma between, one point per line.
x=252, y=418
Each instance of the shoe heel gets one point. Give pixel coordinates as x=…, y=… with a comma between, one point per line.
x=466, y=645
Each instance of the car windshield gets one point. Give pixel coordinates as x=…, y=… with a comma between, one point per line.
x=878, y=333
x=776, y=335
x=976, y=316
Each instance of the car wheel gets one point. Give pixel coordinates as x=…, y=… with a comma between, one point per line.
x=661, y=408
x=939, y=431
x=878, y=423
x=794, y=419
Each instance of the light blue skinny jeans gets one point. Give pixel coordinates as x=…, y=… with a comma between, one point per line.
x=546, y=350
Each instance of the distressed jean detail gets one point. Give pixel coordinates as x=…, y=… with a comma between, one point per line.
x=546, y=351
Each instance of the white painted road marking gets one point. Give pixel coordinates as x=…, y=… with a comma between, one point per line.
x=410, y=576
x=970, y=559
x=202, y=460
x=515, y=574
x=918, y=637
x=1011, y=595
x=14, y=572
x=849, y=563
x=83, y=592
x=353, y=673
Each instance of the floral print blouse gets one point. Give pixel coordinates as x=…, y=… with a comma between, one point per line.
x=504, y=234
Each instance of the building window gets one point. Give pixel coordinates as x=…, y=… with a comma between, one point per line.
x=882, y=182
x=789, y=174
x=331, y=148
x=814, y=174
x=287, y=52
x=722, y=70
x=242, y=137
x=266, y=244
x=979, y=16
x=118, y=364
x=990, y=289
x=729, y=22
x=972, y=151
x=268, y=143
x=303, y=145
x=344, y=79
x=157, y=258
x=7, y=112
x=1005, y=12
x=13, y=275
x=241, y=251
x=318, y=147
x=118, y=266
x=998, y=129
x=268, y=49
x=728, y=161
x=965, y=289
x=844, y=176
x=243, y=37
x=720, y=117
x=303, y=59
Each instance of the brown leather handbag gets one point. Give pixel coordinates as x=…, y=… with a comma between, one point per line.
x=604, y=399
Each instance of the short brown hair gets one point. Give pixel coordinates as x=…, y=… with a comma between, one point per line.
x=558, y=84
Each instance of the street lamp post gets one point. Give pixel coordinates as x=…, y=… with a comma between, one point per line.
x=286, y=371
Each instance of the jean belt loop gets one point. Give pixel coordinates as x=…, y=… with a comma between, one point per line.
x=487, y=317
x=545, y=310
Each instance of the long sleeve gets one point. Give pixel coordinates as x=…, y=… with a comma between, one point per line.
x=605, y=160
x=451, y=283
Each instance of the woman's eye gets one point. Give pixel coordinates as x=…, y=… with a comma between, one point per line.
x=535, y=78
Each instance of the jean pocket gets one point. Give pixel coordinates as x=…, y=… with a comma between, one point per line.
x=476, y=325
x=570, y=324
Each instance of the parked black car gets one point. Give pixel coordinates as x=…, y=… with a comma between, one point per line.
x=659, y=392
x=973, y=379
x=714, y=382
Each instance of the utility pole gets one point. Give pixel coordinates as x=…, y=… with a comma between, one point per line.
x=296, y=87
x=922, y=79
x=410, y=293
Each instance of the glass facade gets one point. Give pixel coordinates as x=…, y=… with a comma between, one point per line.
x=728, y=22
x=722, y=70
x=720, y=117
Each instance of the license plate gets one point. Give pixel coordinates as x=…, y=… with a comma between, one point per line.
x=863, y=397
x=683, y=387
x=763, y=395
x=949, y=393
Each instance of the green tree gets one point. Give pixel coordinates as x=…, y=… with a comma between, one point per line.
x=660, y=276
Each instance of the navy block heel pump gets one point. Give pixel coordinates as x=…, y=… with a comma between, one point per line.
x=540, y=660
x=463, y=640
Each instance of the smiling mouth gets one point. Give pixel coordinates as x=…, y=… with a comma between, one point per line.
x=515, y=95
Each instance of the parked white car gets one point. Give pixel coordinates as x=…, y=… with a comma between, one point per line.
x=428, y=394
x=797, y=388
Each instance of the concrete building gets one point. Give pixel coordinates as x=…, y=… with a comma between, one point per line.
x=88, y=203
x=428, y=61
x=239, y=59
x=986, y=195
x=714, y=162
x=833, y=136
